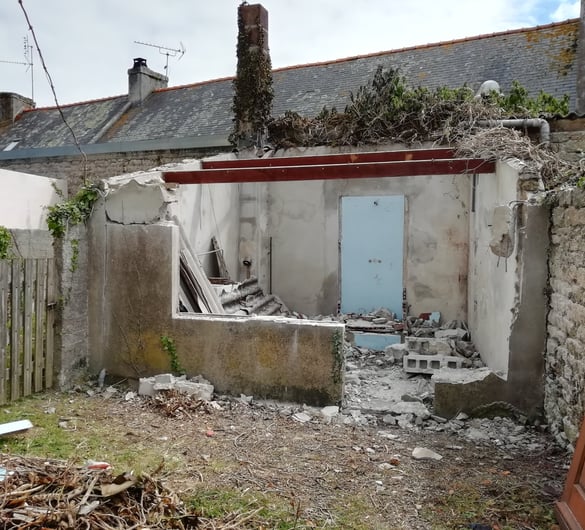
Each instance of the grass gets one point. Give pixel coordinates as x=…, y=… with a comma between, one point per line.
x=497, y=501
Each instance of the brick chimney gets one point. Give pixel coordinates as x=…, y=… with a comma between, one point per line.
x=253, y=92
x=580, y=103
x=11, y=105
x=142, y=81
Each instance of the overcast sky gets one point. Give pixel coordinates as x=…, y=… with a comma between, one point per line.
x=88, y=45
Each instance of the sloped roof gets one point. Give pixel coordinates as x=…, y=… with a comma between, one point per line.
x=540, y=58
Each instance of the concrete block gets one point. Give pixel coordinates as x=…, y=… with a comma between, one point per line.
x=426, y=364
x=146, y=386
x=163, y=379
x=428, y=346
x=398, y=351
x=455, y=334
x=196, y=390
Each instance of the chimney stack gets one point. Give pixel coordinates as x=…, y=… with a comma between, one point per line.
x=580, y=103
x=253, y=92
x=142, y=81
x=11, y=105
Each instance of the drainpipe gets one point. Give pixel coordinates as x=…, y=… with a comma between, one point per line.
x=541, y=123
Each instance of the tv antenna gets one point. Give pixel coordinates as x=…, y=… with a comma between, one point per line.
x=28, y=62
x=169, y=52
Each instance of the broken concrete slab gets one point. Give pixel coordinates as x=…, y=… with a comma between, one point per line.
x=422, y=453
x=465, y=390
x=197, y=387
x=14, y=427
x=410, y=407
x=455, y=334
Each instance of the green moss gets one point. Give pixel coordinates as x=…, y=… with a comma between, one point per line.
x=5, y=243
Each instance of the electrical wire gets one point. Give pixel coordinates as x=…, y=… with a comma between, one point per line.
x=50, y=80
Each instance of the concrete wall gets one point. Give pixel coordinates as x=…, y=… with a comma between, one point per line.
x=507, y=296
x=565, y=368
x=303, y=222
x=133, y=298
x=208, y=210
x=24, y=198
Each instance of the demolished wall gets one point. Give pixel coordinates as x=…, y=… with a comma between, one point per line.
x=565, y=368
x=134, y=280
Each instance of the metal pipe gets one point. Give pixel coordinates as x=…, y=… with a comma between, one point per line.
x=541, y=123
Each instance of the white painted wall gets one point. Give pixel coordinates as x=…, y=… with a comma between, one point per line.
x=24, y=198
x=207, y=210
x=303, y=223
x=493, y=287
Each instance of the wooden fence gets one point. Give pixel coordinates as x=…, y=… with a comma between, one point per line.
x=27, y=316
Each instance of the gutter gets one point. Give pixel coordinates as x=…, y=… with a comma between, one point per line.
x=523, y=123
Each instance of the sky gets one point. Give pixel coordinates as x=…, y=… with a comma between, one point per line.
x=88, y=45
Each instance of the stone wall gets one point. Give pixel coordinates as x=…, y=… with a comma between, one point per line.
x=100, y=166
x=565, y=366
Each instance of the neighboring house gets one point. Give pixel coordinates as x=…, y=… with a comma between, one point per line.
x=152, y=124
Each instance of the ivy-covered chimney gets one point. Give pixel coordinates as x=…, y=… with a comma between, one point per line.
x=253, y=92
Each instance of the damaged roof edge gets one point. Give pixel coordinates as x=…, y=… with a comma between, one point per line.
x=190, y=142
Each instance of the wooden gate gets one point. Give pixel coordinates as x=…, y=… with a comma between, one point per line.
x=27, y=316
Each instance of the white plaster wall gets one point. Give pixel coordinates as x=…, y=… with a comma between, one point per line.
x=492, y=279
x=207, y=210
x=303, y=223
x=24, y=198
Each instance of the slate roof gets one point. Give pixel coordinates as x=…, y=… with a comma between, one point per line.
x=540, y=58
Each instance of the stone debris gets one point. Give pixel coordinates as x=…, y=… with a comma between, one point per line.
x=197, y=387
x=422, y=453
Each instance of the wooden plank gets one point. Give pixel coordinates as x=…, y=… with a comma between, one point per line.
x=27, y=360
x=4, y=290
x=16, y=328
x=410, y=168
x=50, y=331
x=221, y=265
x=40, y=312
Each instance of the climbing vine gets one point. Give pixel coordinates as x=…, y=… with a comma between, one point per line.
x=253, y=92
x=72, y=211
x=168, y=345
x=5, y=243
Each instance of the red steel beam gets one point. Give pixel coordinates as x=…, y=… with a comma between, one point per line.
x=332, y=171
x=343, y=158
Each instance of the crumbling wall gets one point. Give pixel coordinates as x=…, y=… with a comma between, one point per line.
x=133, y=304
x=507, y=282
x=565, y=368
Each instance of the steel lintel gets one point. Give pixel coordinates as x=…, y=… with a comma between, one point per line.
x=408, y=168
x=341, y=158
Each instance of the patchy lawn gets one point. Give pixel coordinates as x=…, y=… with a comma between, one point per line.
x=249, y=466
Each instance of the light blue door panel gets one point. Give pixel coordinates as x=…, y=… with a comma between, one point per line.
x=372, y=233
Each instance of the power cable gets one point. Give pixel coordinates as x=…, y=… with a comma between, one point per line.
x=50, y=80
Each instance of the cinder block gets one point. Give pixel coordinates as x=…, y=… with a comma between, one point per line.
x=428, y=346
x=425, y=364
x=146, y=386
x=163, y=379
x=197, y=390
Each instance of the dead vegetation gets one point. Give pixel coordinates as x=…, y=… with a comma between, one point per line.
x=40, y=493
x=246, y=466
x=388, y=110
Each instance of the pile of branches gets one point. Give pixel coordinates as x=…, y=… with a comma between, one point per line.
x=40, y=493
x=387, y=109
x=499, y=143
x=178, y=405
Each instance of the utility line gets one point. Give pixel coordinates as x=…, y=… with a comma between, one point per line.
x=50, y=80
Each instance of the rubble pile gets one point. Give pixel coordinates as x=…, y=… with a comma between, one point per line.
x=41, y=493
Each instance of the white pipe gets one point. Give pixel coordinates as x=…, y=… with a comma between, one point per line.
x=541, y=123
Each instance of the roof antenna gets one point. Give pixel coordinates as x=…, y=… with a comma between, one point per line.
x=169, y=52
x=28, y=56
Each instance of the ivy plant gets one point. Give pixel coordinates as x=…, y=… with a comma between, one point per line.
x=72, y=211
x=5, y=243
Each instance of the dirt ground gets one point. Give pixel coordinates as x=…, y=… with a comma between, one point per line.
x=236, y=458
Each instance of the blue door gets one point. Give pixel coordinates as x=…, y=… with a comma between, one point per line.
x=372, y=246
